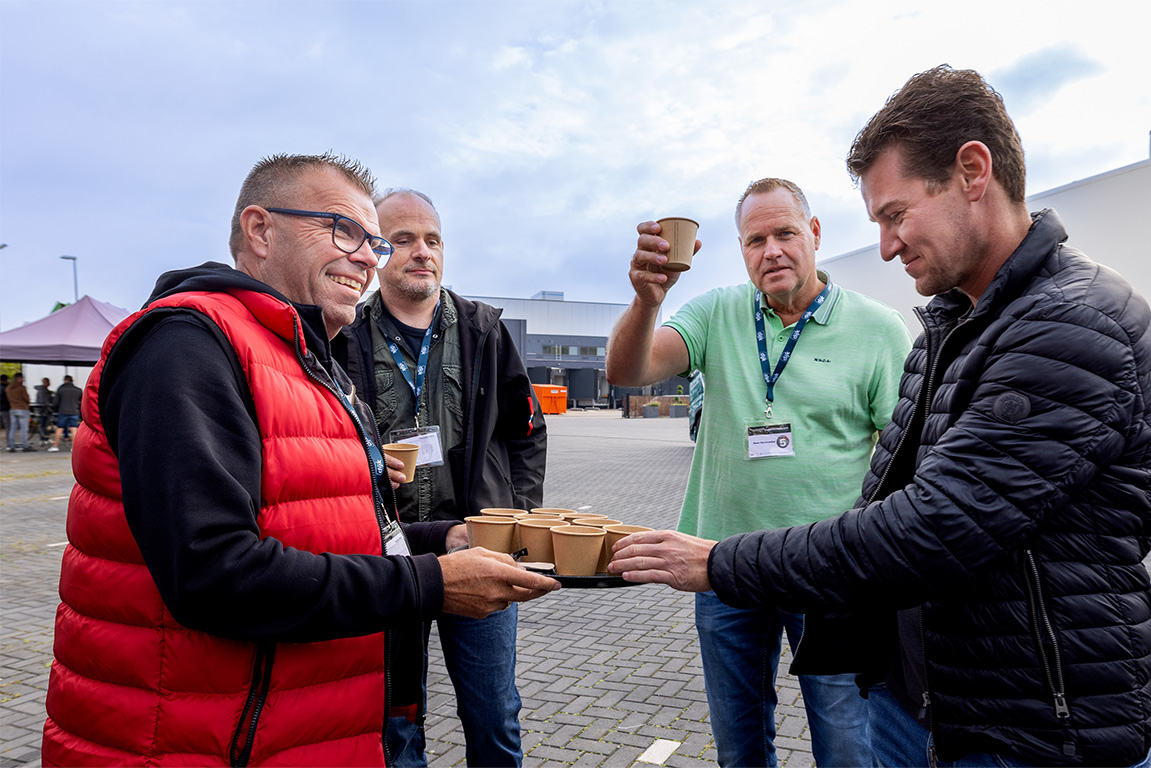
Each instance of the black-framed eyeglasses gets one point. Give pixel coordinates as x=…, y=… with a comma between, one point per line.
x=347, y=234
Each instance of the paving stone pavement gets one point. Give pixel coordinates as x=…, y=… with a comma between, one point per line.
x=603, y=673
x=34, y=490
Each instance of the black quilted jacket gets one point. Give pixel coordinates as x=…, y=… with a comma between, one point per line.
x=1009, y=500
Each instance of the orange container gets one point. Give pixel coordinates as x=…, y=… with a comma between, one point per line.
x=552, y=399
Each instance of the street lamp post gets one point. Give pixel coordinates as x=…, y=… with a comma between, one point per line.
x=75, y=280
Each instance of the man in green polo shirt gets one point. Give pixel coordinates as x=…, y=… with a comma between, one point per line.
x=801, y=377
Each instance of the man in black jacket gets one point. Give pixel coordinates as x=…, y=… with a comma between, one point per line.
x=988, y=588
x=443, y=372
x=67, y=407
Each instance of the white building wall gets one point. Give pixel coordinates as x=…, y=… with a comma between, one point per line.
x=1106, y=217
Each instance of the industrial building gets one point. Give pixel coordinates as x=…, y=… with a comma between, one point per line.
x=564, y=344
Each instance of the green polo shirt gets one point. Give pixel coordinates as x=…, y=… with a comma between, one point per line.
x=837, y=391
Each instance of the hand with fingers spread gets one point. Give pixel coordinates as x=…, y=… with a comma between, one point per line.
x=478, y=582
x=663, y=557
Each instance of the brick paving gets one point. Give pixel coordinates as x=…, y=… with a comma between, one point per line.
x=34, y=491
x=603, y=674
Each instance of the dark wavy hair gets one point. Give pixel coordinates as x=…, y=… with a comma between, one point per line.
x=271, y=179
x=931, y=117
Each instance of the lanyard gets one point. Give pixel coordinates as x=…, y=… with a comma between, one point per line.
x=769, y=376
x=378, y=464
x=421, y=362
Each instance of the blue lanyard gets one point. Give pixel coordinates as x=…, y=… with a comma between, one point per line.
x=769, y=376
x=421, y=361
x=378, y=464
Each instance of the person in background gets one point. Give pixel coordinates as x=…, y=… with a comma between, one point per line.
x=5, y=408
x=20, y=414
x=235, y=561
x=42, y=407
x=442, y=371
x=801, y=376
x=988, y=586
x=67, y=407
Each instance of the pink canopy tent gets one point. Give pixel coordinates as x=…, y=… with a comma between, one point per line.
x=69, y=336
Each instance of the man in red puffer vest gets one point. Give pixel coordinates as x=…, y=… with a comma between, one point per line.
x=234, y=560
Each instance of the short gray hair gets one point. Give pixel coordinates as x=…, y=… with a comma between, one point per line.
x=770, y=184
x=270, y=179
x=393, y=191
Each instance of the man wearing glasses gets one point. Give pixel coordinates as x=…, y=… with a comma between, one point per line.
x=235, y=564
x=442, y=371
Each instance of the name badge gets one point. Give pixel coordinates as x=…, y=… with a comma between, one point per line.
x=769, y=441
x=431, y=453
x=395, y=543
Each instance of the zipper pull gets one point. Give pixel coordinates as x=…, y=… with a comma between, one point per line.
x=1062, y=711
x=932, y=759
x=926, y=704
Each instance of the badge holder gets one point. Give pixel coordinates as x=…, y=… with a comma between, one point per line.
x=768, y=440
x=395, y=542
x=431, y=452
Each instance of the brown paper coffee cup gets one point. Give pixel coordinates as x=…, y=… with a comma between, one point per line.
x=407, y=453
x=536, y=536
x=680, y=235
x=492, y=532
x=605, y=550
x=577, y=549
x=501, y=511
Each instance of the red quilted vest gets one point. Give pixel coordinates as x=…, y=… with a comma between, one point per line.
x=131, y=686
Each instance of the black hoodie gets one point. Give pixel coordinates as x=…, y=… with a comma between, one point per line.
x=180, y=419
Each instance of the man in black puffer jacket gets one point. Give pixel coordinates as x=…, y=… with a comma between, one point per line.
x=988, y=588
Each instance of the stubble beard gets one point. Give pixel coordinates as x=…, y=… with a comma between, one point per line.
x=418, y=290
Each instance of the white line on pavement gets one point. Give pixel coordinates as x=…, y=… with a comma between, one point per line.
x=59, y=498
x=59, y=544
x=658, y=752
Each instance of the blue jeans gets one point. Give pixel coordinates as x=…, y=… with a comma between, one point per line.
x=480, y=655
x=406, y=743
x=900, y=740
x=18, y=422
x=740, y=652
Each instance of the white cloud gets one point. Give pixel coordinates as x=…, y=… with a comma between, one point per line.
x=544, y=131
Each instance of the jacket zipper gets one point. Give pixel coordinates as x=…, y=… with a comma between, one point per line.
x=927, y=713
x=1045, y=638
x=380, y=523
x=379, y=505
x=925, y=400
x=470, y=448
x=250, y=716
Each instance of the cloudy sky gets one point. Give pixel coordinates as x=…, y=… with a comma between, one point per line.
x=544, y=131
